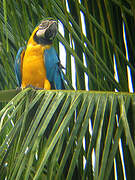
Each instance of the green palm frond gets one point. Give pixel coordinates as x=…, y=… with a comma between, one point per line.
x=31, y=147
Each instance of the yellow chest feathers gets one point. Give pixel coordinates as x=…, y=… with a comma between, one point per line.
x=33, y=68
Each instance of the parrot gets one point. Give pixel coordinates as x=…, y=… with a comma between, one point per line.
x=38, y=65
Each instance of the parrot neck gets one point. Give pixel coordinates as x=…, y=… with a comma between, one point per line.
x=31, y=40
x=34, y=43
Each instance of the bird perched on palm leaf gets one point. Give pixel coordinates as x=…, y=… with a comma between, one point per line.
x=38, y=65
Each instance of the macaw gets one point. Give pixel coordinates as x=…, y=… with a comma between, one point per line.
x=38, y=66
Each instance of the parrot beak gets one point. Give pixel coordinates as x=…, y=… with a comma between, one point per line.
x=46, y=32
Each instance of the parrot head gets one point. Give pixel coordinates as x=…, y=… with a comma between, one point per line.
x=46, y=32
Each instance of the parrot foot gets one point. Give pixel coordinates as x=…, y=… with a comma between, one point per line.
x=18, y=88
x=36, y=88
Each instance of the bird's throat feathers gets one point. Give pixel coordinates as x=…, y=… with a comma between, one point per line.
x=33, y=43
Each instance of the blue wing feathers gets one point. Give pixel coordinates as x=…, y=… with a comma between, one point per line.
x=18, y=67
x=53, y=70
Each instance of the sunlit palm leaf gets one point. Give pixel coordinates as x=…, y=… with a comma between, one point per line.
x=31, y=143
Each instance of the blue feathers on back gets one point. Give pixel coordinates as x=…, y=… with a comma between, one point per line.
x=53, y=69
x=18, y=67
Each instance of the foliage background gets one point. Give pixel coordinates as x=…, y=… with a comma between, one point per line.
x=104, y=21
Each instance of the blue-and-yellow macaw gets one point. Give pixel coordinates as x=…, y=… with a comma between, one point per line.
x=38, y=66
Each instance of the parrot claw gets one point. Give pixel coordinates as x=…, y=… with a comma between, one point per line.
x=36, y=88
x=18, y=88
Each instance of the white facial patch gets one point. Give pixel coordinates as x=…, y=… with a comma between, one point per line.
x=40, y=32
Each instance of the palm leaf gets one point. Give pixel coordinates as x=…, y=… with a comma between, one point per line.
x=31, y=148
